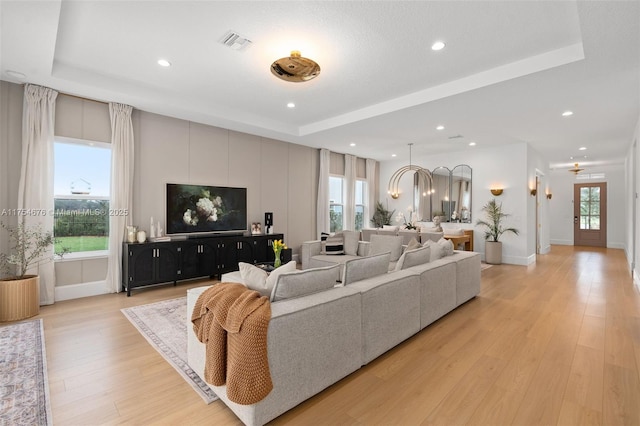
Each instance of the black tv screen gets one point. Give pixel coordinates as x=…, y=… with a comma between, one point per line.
x=202, y=209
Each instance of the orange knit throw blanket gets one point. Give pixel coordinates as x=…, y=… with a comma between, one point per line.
x=232, y=321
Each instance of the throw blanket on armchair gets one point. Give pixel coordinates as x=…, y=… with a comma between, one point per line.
x=232, y=321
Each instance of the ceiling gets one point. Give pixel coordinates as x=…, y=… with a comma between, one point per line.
x=508, y=71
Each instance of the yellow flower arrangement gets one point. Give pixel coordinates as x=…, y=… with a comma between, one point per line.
x=278, y=245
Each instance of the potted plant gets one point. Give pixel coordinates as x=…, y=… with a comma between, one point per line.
x=381, y=216
x=19, y=292
x=494, y=229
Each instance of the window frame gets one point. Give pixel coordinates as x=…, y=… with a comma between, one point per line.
x=341, y=203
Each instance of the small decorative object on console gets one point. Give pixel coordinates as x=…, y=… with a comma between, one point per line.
x=278, y=245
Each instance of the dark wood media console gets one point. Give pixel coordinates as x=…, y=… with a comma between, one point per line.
x=151, y=263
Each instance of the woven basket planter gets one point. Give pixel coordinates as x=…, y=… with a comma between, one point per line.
x=19, y=298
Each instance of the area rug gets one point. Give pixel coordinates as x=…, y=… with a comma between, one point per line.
x=24, y=386
x=164, y=326
x=484, y=266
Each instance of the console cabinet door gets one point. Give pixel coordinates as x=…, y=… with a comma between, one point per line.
x=167, y=262
x=263, y=247
x=198, y=259
x=244, y=250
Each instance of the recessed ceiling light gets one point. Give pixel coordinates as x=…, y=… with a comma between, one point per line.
x=472, y=144
x=567, y=113
x=582, y=148
x=352, y=144
x=440, y=127
x=164, y=63
x=393, y=155
x=438, y=45
x=291, y=105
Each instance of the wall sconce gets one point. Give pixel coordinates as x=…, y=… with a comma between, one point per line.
x=549, y=196
x=534, y=192
x=497, y=191
x=394, y=195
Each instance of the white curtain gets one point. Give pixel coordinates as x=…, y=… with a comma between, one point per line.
x=322, y=213
x=350, y=192
x=121, y=188
x=369, y=209
x=35, y=190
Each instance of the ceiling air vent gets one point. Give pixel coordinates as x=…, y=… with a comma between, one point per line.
x=235, y=41
x=456, y=137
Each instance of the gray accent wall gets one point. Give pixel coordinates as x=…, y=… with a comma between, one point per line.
x=280, y=177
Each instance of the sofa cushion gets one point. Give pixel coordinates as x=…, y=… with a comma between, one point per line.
x=300, y=283
x=259, y=280
x=447, y=246
x=351, y=239
x=414, y=257
x=436, y=250
x=386, y=243
x=365, y=267
x=455, y=231
x=334, y=244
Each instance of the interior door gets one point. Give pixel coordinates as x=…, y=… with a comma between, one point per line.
x=590, y=214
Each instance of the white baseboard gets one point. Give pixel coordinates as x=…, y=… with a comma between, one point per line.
x=545, y=250
x=76, y=291
x=562, y=242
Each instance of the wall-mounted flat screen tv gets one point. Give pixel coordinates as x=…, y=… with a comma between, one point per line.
x=195, y=209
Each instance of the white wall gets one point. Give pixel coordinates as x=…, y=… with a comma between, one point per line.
x=561, y=205
x=506, y=167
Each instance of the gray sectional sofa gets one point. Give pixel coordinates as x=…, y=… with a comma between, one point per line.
x=316, y=339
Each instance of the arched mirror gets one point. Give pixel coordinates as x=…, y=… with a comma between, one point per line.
x=441, y=194
x=461, y=194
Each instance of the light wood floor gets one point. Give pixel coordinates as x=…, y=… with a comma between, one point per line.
x=557, y=342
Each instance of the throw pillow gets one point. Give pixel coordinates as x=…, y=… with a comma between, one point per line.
x=254, y=277
x=436, y=250
x=301, y=283
x=414, y=257
x=386, y=244
x=413, y=244
x=351, y=239
x=454, y=231
x=273, y=276
x=334, y=244
x=447, y=246
x=365, y=267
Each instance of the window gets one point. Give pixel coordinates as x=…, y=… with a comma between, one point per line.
x=361, y=196
x=82, y=176
x=590, y=207
x=336, y=203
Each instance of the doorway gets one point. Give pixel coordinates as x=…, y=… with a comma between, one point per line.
x=590, y=214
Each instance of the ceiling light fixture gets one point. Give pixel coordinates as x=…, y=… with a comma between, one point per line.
x=440, y=127
x=575, y=169
x=291, y=105
x=472, y=144
x=352, y=144
x=393, y=155
x=567, y=113
x=582, y=148
x=394, y=182
x=438, y=45
x=164, y=63
x=295, y=68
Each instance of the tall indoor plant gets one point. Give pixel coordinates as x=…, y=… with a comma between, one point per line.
x=381, y=216
x=494, y=229
x=19, y=292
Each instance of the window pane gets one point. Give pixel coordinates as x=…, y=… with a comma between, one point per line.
x=81, y=169
x=584, y=208
x=595, y=222
x=359, y=217
x=360, y=185
x=335, y=216
x=335, y=190
x=584, y=222
x=595, y=208
x=595, y=194
x=584, y=194
x=81, y=225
